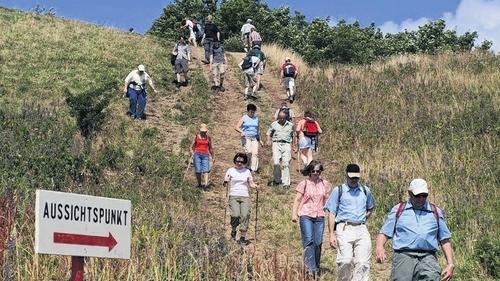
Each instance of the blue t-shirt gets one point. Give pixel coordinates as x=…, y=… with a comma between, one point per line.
x=353, y=203
x=250, y=126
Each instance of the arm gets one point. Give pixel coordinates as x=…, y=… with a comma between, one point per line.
x=331, y=230
x=447, y=273
x=238, y=128
x=295, y=209
x=319, y=128
x=379, y=248
x=211, y=150
x=192, y=146
x=218, y=36
x=151, y=84
x=211, y=60
x=127, y=80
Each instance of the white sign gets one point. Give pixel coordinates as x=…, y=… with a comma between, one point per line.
x=82, y=225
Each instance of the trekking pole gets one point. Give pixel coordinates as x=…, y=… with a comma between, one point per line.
x=225, y=203
x=256, y=212
x=187, y=168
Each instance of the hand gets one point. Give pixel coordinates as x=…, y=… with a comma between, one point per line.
x=156, y=92
x=295, y=149
x=261, y=143
x=381, y=256
x=242, y=134
x=268, y=142
x=224, y=184
x=295, y=218
x=333, y=241
x=447, y=272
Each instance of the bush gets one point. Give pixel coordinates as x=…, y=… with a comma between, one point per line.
x=234, y=44
x=488, y=253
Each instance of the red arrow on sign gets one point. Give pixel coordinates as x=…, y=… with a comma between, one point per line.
x=87, y=240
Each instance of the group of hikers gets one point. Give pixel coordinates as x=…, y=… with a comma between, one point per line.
x=416, y=226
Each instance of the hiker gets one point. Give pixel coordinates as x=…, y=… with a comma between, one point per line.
x=239, y=178
x=211, y=35
x=250, y=65
x=245, y=32
x=135, y=90
x=254, y=38
x=201, y=151
x=218, y=61
x=290, y=116
x=259, y=71
x=281, y=135
x=288, y=74
x=417, y=227
x=311, y=195
x=308, y=131
x=183, y=57
x=192, y=26
x=248, y=127
x=349, y=205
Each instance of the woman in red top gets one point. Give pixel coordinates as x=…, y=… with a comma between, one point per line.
x=312, y=194
x=201, y=150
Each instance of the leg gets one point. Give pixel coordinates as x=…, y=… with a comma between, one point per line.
x=247, y=148
x=309, y=155
x=403, y=267
x=207, y=45
x=204, y=168
x=362, y=254
x=245, y=214
x=141, y=105
x=306, y=230
x=132, y=97
x=318, y=228
x=234, y=205
x=344, y=252
x=291, y=87
x=276, y=163
x=286, y=157
x=222, y=70
x=216, y=74
x=197, y=167
x=255, y=154
x=428, y=269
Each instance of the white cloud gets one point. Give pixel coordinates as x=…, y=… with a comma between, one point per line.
x=482, y=16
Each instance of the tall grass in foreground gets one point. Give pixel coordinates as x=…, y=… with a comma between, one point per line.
x=434, y=117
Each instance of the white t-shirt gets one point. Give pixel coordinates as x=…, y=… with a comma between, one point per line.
x=190, y=24
x=137, y=79
x=238, y=181
x=246, y=28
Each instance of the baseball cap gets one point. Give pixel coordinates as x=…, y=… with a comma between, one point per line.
x=141, y=67
x=418, y=186
x=353, y=171
x=203, y=127
x=288, y=59
x=249, y=20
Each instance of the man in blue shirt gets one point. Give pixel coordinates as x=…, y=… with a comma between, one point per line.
x=416, y=227
x=349, y=205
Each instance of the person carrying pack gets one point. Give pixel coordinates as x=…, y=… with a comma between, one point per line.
x=181, y=65
x=256, y=52
x=245, y=32
x=201, y=151
x=254, y=38
x=417, y=228
x=135, y=90
x=311, y=195
x=218, y=66
x=193, y=29
x=290, y=116
x=308, y=131
x=349, y=206
x=211, y=35
x=249, y=65
x=288, y=74
x=249, y=129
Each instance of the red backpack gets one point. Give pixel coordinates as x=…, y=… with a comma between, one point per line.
x=310, y=128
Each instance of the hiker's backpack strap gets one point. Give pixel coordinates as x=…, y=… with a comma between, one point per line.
x=436, y=215
x=400, y=210
x=338, y=205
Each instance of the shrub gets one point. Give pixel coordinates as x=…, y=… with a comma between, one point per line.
x=234, y=44
x=488, y=253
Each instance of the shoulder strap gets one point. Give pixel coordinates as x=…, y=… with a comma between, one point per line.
x=436, y=215
x=338, y=202
x=400, y=210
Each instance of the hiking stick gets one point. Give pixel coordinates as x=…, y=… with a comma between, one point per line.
x=187, y=168
x=256, y=213
x=225, y=203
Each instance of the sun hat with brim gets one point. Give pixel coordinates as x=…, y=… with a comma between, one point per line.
x=141, y=67
x=418, y=186
x=353, y=171
x=203, y=128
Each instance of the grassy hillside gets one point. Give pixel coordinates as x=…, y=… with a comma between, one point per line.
x=435, y=117
x=43, y=59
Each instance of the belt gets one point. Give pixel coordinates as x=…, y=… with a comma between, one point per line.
x=408, y=251
x=281, y=141
x=352, y=223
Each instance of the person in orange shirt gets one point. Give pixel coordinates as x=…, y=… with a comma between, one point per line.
x=201, y=150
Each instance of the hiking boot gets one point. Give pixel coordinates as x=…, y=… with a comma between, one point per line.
x=243, y=241
x=291, y=99
x=286, y=187
x=185, y=83
x=253, y=96
x=221, y=88
x=214, y=88
x=143, y=117
x=246, y=97
x=233, y=235
x=178, y=85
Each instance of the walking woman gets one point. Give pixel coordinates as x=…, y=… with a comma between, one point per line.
x=201, y=149
x=248, y=128
x=240, y=180
x=312, y=194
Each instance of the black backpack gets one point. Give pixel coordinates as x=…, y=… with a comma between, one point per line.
x=247, y=63
x=289, y=70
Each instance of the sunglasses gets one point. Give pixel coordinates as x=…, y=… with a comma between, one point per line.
x=241, y=162
x=316, y=172
x=354, y=178
x=422, y=195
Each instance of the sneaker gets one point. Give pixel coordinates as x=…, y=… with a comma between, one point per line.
x=243, y=241
x=233, y=234
x=178, y=85
x=245, y=97
x=185, y=83
x=143, y=117
x=214, y=88
x=221, y=88
x=253, y=96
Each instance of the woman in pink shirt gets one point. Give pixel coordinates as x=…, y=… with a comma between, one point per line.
x=312, y=194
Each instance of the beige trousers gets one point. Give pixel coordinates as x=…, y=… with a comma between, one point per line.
x=251, y=147
x=354, y=250
x=218, y=70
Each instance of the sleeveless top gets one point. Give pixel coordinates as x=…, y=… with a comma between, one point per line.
x=250, y=126
x=201, y=144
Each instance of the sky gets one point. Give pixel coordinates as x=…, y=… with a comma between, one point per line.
x=390, y=15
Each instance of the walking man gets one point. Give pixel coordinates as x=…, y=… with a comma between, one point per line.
x=254, y=38
x=288, y=74
x=290, y=116
x=181, y=64
x=245, y=32
x=218, y=66
x=281, y=134
x=248, y=127
x=349, y=205
x=210, y=36
x=250, y=64
x=256, y=52
x=417, y=227
x=135, y=90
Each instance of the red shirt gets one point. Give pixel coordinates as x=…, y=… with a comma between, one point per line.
x=201, y=144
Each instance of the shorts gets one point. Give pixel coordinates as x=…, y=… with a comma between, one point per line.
x=307, y=142
x=288, y=82
x=191, y=34
x=260, y=69
x=181, y=66
x=201, y=163
x=249, y=77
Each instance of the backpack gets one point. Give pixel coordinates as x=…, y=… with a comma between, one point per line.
x=286, y=110
x=247, y=63
x=310, y=128
x=401, y=208
x=195, y=26
x=363, y=188
x=289, y=70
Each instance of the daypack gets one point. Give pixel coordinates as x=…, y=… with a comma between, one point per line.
x=172, y=59
x=401, y=208
x=310, y=128
x=289, y=70
x=286, y=110
x=247, y=63
x=195, y=26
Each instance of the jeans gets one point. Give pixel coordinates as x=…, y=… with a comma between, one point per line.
x=137, y=101
x=312, y=238
x=201, y=163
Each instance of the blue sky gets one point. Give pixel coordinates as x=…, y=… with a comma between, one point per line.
x=390, y=15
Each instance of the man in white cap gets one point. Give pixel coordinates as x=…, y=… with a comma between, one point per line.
x=135, y=90
x=288, y=73
x=245, y=32
x=417, y=228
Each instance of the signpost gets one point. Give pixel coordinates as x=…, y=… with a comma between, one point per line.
x=82, y=226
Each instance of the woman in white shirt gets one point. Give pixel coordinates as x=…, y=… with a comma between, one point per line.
x=240, y=180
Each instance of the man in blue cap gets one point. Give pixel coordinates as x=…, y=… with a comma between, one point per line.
x=417, y=227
